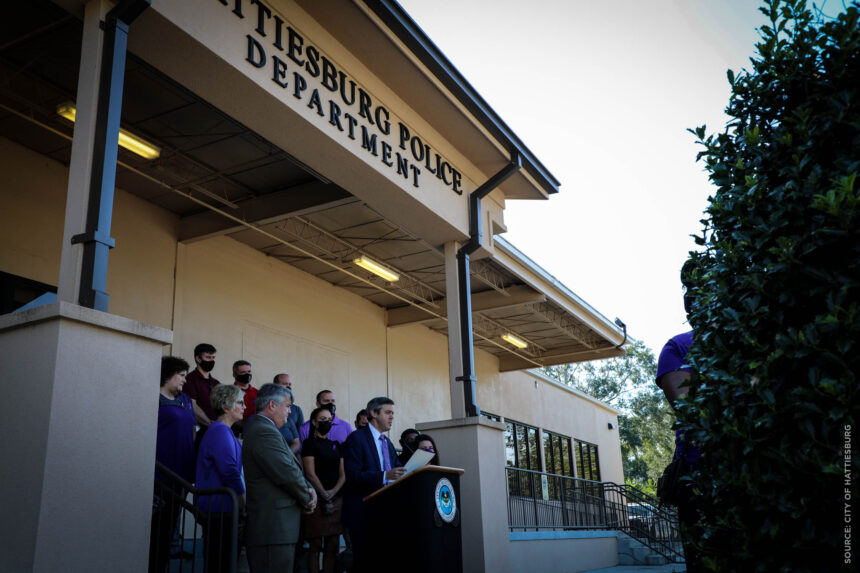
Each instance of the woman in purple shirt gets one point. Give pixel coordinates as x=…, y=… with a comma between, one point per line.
x=219, y=464
x=174, y=448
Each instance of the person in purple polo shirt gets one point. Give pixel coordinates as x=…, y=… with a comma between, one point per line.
x=340, y=429
x=673, y=372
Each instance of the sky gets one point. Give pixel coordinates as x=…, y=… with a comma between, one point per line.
x=602, y=92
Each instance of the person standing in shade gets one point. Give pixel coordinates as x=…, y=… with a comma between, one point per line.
x=242, y=377
x=340, y=429
x=219, y=464
x=174, y=448
x=407, y=443
x=370, y=462
x=673, y=374
x=324, y=469
x=361, y=419
x=296, y=417
x=428, y=444
x=277, y=491
x=199, y=384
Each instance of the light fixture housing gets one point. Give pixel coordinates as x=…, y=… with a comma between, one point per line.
x=511, y=339
x=378, y=269
x=127, y=140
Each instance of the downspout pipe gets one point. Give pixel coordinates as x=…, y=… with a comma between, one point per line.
x=465, y=294
x=96, y=239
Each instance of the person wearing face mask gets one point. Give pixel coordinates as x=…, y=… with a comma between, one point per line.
x=340, y=429
x=323, y=464
x=428, y=444
x=407, y=442
x=242, y=378
x=199, y=384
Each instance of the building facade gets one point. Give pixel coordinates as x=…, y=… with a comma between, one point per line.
x=291, y=145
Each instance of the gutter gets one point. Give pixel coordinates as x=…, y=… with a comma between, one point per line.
x=408, y=32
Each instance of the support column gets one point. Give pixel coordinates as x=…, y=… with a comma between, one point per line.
x=80, y=166
x=100, y=147
x=79, y=443
x=477, y=445
x=455, y=353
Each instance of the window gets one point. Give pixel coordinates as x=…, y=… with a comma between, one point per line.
x=587, y=464
x=16, y=292
x=521, y=449
x=558, y=459
x=557, y=454
x=492, y=417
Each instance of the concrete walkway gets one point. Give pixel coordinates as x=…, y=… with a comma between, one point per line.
x=670, y=568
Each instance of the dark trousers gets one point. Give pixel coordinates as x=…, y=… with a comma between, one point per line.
x=165, y=511
x=271, y=558
x=688, y=515
x=218, y=542
x=362, y=551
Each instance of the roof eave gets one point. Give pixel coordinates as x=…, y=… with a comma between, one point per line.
x=412, y=36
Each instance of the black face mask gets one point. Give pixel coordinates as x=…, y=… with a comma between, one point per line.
x=207, y=365
x=243, y=378
x=409, y=446
x=330, y=407
x=324, y=427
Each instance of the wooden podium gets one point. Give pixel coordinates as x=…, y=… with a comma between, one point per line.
x=418, y=520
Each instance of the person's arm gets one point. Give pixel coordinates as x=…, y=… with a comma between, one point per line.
x=671, y=383
x=228, y=461
x=341, y=479
x=311, y=474
x=295, y=446
x=279, y=464
x=201, y=416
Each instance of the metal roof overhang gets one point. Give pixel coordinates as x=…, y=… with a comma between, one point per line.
x=221, y=179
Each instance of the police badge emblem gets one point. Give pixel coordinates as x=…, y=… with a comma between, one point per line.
x=446, y=502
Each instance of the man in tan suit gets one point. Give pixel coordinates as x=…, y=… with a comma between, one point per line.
x=277, y=491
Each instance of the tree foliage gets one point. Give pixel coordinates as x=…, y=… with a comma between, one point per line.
x=776, y=295
x=645, y=421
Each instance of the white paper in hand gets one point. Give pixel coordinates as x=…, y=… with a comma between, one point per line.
x=418, y=459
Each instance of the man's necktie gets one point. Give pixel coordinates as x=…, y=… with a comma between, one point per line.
x=386, y=462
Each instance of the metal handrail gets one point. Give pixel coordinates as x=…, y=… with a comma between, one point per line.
x=163, y=489
x=539, y=500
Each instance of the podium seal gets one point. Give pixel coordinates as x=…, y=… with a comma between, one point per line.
x=446, y=503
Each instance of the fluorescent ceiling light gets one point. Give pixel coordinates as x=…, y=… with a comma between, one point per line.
x=131, y=142
x=376, y=268
x=511, y=339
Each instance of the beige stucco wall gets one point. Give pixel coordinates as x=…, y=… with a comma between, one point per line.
x=531, y=400
x=257, y=308
x=32, y=206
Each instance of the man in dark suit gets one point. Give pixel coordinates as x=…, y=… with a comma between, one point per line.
x=370, y=462
x=277, y=491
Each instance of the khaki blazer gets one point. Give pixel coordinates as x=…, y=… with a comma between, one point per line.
x=277, y=491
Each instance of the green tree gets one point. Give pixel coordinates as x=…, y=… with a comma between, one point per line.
x=777, y=302
x=645, y=421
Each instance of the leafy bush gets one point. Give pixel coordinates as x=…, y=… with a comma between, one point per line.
x=776, y=295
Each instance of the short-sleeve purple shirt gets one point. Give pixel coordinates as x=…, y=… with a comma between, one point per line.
x=673, y=357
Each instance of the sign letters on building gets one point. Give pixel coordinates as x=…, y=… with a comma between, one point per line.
x=309, y=76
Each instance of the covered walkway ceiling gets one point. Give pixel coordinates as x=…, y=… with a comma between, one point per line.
x=222, y=179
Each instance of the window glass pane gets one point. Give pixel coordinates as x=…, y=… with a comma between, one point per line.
x=568, y=467
x=547, y=450
x=534, y=461
x=522, y=452
x=510, y=448
x=595, y=465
